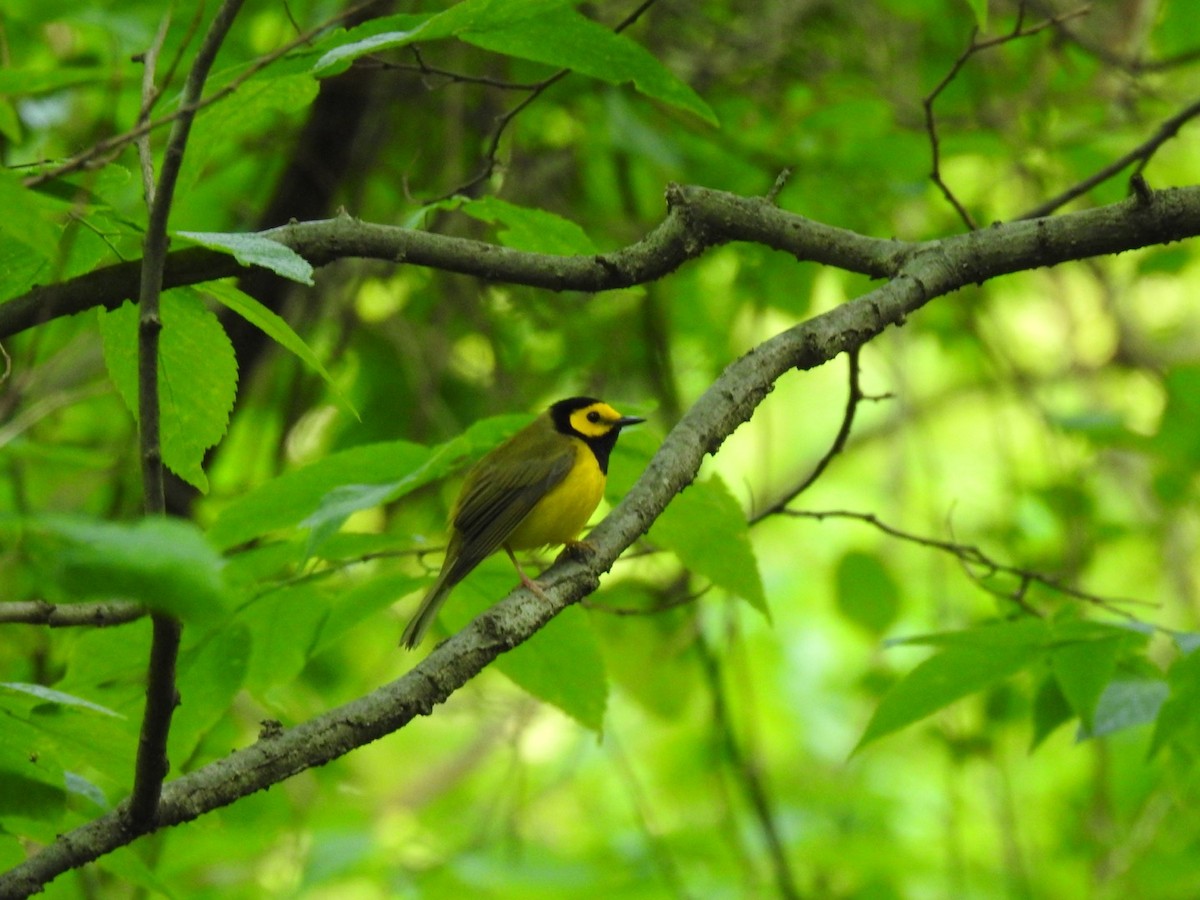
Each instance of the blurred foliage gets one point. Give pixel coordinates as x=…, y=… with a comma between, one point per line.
x=997, y=696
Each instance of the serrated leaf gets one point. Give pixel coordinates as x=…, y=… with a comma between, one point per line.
x=255, y=250
x=165, y=564
x=706, y=528
x=564, y=38
x=866, y=592
x=942, y=679
x=533, y=230
x=274, y=327
x=197, y=374
x=286, y=501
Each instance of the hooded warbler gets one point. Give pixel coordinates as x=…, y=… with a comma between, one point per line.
x=539, y=487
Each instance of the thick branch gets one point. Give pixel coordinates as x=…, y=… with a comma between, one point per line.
x=930, y=270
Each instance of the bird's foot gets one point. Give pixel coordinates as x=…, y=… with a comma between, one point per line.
x=580, y=551
x=533, y=587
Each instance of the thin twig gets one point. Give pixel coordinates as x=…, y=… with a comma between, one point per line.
x=423, y=68
x=502, y=121
x=150, y=95
x=161, y=694
x=974, y=45
x=109, y=147
x=972, y=558
x=855, y=396
x=1140, y=154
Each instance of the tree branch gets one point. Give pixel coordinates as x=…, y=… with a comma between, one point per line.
x=698, y=218
x=161, y=695
x=978, y=566
x=97, y=615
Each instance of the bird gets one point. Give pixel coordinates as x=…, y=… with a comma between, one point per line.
x=537, y=488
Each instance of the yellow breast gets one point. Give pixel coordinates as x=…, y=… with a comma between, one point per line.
x=561, y=514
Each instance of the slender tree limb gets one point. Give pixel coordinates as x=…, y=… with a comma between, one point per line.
x=854, y=396
x=536, y=90
x=978, y=566
x=161, y=695
x=922, y=273
x=62, y=615
x=1140, y=154
x=112, y=146
x=975, y=45
x=697, y=218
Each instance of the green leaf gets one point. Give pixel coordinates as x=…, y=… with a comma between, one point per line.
x=30, y=798
x=706, y=528
x=197, y=375
x=255, y=250
x=545, y=31
x=44, y=694
x=29, y=217
x=210, y=675
x=566, y=39
x=1028, y=631
x=1179, y=718
x=650, y=656
x=534, y=230
x=283, y=625
x=22, y=82
x=341, y=503
x=1084, y=667
x=392, y=32
x=979, y=8
x=1050, y=710
x=976, y=660
x=317, y=491
x=866, y=593
x=166, y=564
x=561, y=664
x=1127, y=703
x=274, y=327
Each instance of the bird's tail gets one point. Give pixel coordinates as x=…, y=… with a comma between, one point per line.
x=427, y=611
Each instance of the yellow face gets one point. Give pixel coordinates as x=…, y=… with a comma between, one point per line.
x=595, y=420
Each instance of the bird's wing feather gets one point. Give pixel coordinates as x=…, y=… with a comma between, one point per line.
x=491, y=507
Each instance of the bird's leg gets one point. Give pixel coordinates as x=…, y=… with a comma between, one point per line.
x=525, y=579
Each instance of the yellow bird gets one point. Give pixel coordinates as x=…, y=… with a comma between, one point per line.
x=539, y=487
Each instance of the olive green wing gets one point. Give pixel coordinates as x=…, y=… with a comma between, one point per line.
x=501, y=491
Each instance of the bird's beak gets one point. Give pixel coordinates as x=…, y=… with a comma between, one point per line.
x=628, y=420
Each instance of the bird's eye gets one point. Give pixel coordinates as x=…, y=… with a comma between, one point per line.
x=593, y=417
